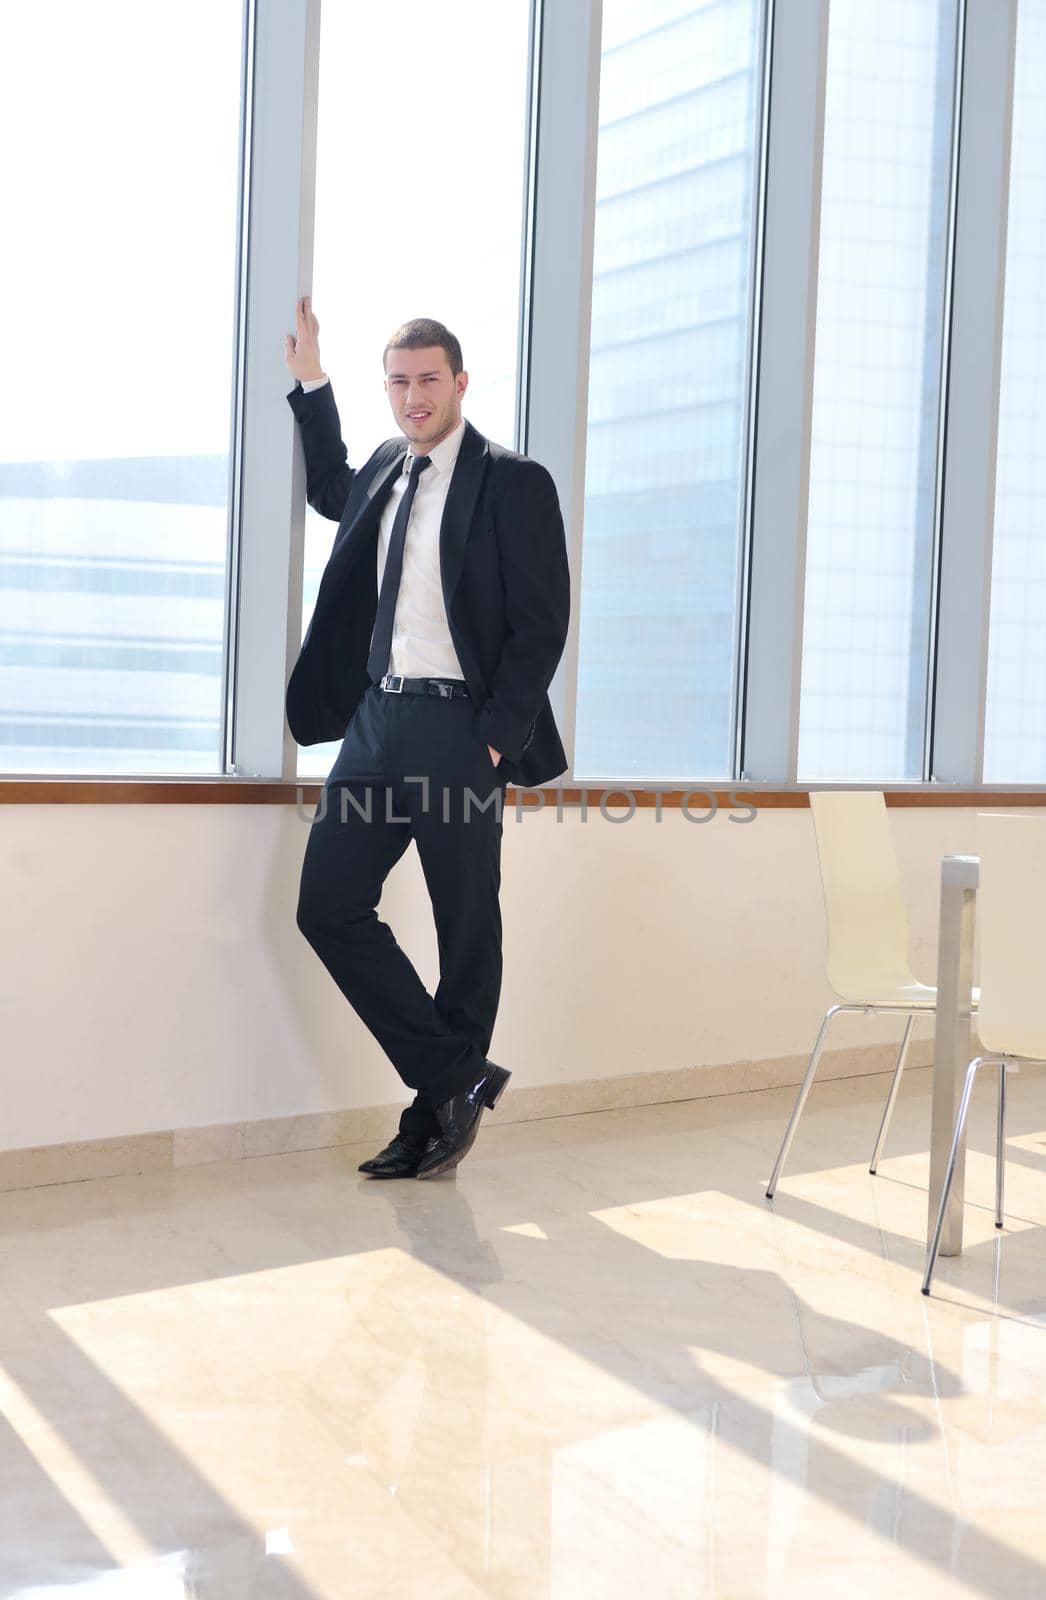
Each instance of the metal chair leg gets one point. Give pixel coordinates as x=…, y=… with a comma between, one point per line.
x=891, y=1099
x=800, y=1101
x=949, y=1172
x=1000, y=1145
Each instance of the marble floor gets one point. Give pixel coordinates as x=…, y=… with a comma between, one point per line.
x=593, y=1366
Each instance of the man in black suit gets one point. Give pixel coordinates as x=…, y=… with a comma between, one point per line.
x=440, y=619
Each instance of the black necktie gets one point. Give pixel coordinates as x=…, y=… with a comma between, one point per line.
x=381, y=639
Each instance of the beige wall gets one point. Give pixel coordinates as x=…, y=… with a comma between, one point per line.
x=152, y=976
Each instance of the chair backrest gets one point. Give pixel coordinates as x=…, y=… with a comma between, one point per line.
x=864, y=906
x=1011, y=908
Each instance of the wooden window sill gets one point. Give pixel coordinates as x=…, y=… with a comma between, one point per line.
x=254, y=791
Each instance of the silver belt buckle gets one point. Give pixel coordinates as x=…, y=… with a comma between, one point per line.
x=392, y=683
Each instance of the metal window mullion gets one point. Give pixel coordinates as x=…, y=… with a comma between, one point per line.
x=528, y=203
x=236, y=406
x=929, y=653
x=267, y=596
x=741, y=592
x=972, y=406
x=566, y=96
x=783, y=394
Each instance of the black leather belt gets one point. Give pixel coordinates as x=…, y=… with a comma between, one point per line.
x=441, y=688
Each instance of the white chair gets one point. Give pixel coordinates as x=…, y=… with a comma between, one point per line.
x=867, y=930
x=1011, y=1022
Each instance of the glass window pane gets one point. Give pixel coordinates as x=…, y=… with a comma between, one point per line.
x=120, y=124
x=676, y=188
x=422, y=135
x=880, y=302
x=1015, y=727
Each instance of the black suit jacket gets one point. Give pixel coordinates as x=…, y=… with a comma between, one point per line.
x=506, y=587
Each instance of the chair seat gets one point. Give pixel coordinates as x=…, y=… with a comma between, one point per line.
x=921, y=996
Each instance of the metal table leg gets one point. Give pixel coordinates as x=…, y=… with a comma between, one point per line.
x=959, y=878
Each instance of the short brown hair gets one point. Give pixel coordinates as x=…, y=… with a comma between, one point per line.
x=423, y=333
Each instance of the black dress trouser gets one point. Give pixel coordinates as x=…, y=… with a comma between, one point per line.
x=412, y=767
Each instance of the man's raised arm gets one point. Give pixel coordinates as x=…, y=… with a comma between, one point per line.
x=328, y=477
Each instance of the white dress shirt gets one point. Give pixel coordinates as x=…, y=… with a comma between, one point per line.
x=421, y=642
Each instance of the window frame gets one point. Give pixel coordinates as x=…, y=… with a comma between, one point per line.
x=276, y=266
x=959, y=673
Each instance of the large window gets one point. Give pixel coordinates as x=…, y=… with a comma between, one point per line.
x=133, y=328
x=880, y=307
x=422, y=133
x=1015, y=742
x=120, y=128
x=668, y=389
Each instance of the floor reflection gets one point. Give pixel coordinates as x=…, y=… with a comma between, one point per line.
x=593, y=1364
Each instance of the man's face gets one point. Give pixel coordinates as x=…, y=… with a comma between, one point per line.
x=424, y=394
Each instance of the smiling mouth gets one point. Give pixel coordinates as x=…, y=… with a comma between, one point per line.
x=418, y=416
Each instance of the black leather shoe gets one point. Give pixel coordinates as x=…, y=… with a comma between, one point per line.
x=459, y=1119
x=400, y=1159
